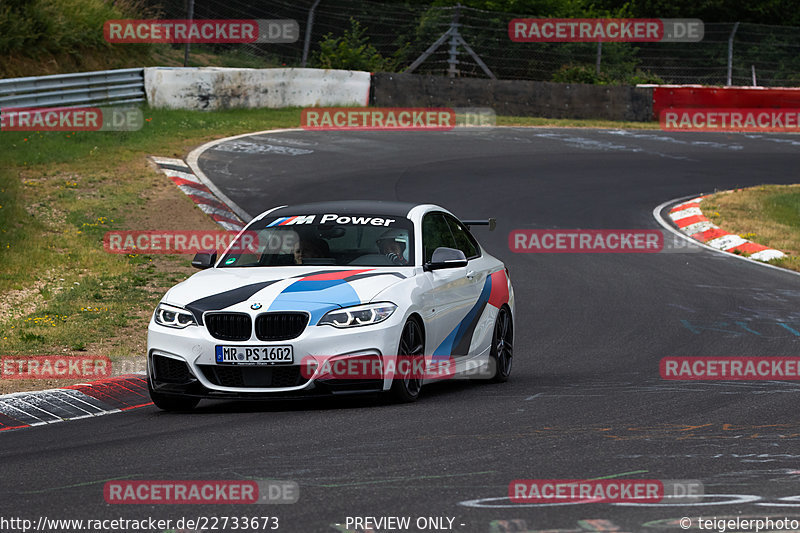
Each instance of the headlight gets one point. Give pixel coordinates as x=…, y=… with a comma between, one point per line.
x=173, y=317
x=359, y=315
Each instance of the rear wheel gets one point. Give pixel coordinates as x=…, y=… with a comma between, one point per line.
x=408, y=377
x=502, y=351
x=168, y=402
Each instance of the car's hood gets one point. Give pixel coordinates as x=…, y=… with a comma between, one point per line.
x=297, y=288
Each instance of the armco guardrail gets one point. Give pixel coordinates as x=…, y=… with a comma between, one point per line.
x=105, y=87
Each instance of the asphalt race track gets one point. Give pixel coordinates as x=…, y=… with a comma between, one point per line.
x=585, y=399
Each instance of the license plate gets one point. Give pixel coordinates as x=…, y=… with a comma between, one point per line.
x=255, y=355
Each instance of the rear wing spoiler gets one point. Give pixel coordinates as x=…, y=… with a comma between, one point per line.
x=491, y=222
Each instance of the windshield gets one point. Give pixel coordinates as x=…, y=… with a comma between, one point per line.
x=325, y=239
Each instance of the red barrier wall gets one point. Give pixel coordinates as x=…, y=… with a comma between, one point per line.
x=723, y=97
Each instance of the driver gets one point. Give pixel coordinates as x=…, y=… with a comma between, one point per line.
x=393, y=245
x=310, y=248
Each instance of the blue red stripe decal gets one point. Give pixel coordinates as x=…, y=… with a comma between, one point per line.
x=459, y=340
x=319, y=293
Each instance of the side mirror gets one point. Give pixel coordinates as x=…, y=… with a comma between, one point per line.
x=446, y=258
x=203, y=260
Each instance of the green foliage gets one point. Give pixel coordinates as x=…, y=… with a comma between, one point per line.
x=618, y=66
x=579, y=74
x=35, y=27
x=352, y=51
x=546, y=8
x=588, y=74
x=643, y=76
x=50, y=36
x=778, y=12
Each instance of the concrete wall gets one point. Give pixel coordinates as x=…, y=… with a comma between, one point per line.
x=210, y=88
x=515, y=98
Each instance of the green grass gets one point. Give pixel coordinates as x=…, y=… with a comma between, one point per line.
x=784, y=208
x=163, y=129
x=574, y=123
x=59, y=194
x=765, y=214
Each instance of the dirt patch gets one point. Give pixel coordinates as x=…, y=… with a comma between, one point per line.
x=8, y=386
x=19, y=302
x=165, y=207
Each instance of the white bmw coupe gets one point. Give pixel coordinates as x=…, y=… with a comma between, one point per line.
x=334, y=298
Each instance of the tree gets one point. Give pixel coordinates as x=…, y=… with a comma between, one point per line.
x=352, y=51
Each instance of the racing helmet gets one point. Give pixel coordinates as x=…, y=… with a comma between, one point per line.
x=396, y=235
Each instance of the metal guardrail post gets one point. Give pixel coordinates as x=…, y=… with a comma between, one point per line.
x=309, y=28
x=730, y=53
x=190, y=16
x=456, y=39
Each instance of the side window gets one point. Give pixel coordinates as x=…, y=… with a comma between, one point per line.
x=435, y=233
x=464, y=239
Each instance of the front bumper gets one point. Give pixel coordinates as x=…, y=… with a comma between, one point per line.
x=182, y=362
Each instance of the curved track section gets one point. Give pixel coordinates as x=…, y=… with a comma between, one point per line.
x=585, y=399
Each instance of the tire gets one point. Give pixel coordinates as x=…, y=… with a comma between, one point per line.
x=502, y=350
x=406, y=389
x=168, y=402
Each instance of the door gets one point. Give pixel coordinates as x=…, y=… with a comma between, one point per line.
x=456, y=291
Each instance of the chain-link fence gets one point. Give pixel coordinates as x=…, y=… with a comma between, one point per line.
x=760, y=54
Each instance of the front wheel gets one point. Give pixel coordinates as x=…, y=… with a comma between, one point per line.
x=168, y=402
x=502, y=351
x=407, y=385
